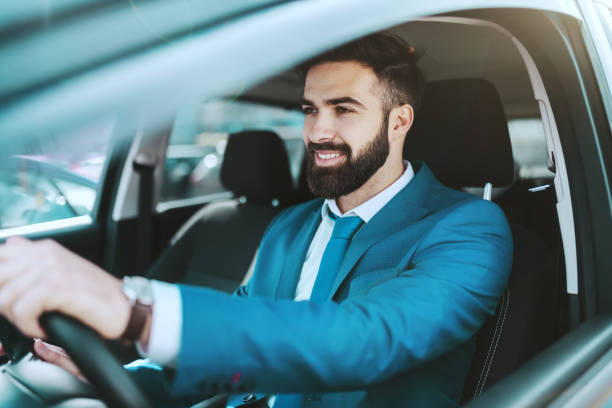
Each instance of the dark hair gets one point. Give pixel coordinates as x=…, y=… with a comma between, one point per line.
x=392, y=59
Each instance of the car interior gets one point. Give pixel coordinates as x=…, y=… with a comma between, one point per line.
x=479, y=129
x=476, y=83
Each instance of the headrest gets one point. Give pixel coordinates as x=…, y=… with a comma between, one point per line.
x=461, y=133
x=255, y=165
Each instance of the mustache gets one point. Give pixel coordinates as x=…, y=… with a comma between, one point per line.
x=342, y=148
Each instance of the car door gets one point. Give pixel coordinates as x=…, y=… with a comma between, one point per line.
x=575, y=371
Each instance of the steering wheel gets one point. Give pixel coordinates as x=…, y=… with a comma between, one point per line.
x=95, y=360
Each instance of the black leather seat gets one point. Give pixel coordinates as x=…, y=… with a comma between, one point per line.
x=461, y=133
x=216, y=245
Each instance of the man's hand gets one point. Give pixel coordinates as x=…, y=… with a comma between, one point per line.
x=41, y=276
x=56, y=355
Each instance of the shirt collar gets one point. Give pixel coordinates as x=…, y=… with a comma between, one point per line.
x=367, y=210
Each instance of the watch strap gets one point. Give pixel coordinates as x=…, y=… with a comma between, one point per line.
x=138, y=318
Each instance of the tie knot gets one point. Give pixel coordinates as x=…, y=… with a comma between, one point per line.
x=345, y=227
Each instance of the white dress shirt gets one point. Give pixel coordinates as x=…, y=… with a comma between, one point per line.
x=365, y=211
x=164, y=341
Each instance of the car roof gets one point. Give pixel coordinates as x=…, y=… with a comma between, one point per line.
x=448, y=50
x=105, y=66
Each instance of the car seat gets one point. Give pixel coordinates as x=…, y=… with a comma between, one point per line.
x=461, y=132
x=216, y=245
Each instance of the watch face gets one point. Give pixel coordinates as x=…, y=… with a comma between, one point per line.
x=129, y=292
x=137, y=288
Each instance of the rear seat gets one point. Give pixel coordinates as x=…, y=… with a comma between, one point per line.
x=216, y=245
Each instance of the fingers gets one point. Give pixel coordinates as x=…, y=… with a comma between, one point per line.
x=13, y=290
x=39, y=276
x=49, y=353
x=12, y=262
x=2, y=352
x=27, y=309
x=17, y=240
x=25, y=287
x=11, y=245
x=56, y=355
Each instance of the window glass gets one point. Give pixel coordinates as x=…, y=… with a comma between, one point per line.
x=53, y=177
x=529, y=148
x=605, y=16
x=607, y=23
x=199, y=136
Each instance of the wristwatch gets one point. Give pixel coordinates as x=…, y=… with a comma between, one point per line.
x=139, y=291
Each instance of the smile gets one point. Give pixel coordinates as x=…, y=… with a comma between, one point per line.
x=326, y=156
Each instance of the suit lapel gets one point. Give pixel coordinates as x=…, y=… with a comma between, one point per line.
x=294, y=260
x=407, y=207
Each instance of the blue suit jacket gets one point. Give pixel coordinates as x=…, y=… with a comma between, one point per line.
x=417, y=282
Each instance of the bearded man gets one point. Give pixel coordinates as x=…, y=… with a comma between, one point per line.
x=368, y=296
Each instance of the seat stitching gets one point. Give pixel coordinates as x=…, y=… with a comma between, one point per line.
x=476, y=393
x=499, y=337
x=485, y=361
x=496, y=337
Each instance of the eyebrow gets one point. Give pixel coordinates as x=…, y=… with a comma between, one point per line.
x=337, y=101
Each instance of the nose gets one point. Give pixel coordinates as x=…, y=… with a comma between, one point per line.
x=319, y=128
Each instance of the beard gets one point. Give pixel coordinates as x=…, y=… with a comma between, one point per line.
x=337, y=181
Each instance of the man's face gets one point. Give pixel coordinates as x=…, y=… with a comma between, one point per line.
x=345, y=131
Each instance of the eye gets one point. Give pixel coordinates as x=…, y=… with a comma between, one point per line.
x=343, y=109
x=308, y=110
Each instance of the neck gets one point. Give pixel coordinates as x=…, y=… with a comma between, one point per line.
x=386, y=175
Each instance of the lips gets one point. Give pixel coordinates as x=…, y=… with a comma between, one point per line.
x=328, y=154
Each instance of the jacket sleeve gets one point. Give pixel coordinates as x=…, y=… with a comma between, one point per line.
x=437, y=301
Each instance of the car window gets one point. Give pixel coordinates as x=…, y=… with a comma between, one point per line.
x=198, y=139
x=52, y=176
x=604, y=10
x=529, y=148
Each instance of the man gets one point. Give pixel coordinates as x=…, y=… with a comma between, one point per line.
x=369, y=296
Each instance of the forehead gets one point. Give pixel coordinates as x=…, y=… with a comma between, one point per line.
x=338, y=79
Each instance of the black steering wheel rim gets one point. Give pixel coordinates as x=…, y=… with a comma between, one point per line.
x=95, y=360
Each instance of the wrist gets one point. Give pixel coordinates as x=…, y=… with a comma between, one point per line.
x=139, y=293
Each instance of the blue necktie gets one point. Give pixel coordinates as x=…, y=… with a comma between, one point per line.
x=344, y=228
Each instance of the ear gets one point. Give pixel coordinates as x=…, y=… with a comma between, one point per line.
x=400, y=121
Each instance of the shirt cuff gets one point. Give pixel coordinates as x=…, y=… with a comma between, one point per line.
x=166, y=325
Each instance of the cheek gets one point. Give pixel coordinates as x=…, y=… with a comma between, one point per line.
x=307, y=128
x=351, y=127
x=358, y=133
